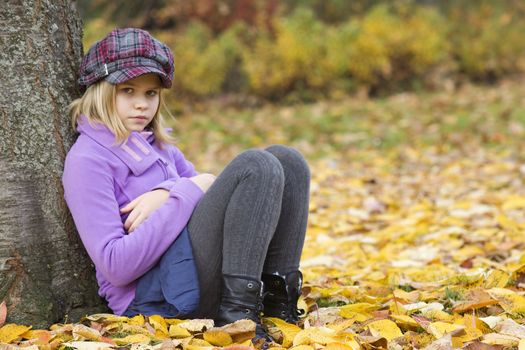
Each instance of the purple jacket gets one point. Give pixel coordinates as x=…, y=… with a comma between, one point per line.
x=100, y=177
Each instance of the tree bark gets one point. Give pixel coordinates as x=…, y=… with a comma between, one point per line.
x=45, y=274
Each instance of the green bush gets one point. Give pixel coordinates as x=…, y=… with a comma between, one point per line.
x=385, y=46
x=306, y=53
x=489, y=42
x=276, y=64
x=201, y=61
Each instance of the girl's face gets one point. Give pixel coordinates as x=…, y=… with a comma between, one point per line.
x=137, y=101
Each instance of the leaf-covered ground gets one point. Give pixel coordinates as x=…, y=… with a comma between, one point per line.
x=416, y=236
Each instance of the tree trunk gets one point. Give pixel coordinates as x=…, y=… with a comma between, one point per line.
x=45, y=274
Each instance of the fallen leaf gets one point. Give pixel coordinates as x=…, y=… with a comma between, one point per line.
x=137, y=320
x=10, y=332
x=176, y=331
x=319, y=335
x=439, y=329
x=477, y=299
x=500, y=339
x=217, y=338
x=384, y=328
x=240, y=330
x=510, y=327
x=132, y=339
x=197, y=325
x=81, y=332
x=352, y=345
x=508, y=300
x=477, y=345
x=159, y=324
x=91, y=345
x=443, y=343
x=287, y=330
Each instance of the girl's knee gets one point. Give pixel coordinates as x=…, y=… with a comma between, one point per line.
x=260, y=163
x=292, y=160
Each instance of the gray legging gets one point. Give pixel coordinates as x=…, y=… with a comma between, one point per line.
x=251, y=220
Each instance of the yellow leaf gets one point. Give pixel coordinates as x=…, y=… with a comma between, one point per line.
x=470, y=334
x=319, y=335
x=116, y=325
x=507, y=223
x=134, y=329
x=217, y=338
x=510, y=301
x=37, y=333
x=405, y=321
x=161, y=335
x=106, y=318
x=471, y=321
x=197, y=347
x=247, y=342
x=132, y=339
x=302, y=347
x=496, y=279
x=178, y=332
x=350, y=345
x=89, y=345
x=159, y=324
x=10, y=332
x=341, y=325
x=439, y=315
x=411, y=297
x=359, y=307
x=514, y=202
x=288, y=330
x=359, y=311
x=439, y=329
x=199, y=342
x=137, y=320
x=79, y=330
x=384, y=328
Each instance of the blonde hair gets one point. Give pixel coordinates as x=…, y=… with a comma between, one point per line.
x=98, y=105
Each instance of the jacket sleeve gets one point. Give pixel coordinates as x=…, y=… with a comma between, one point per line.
x=184, y=168
x=89, y=191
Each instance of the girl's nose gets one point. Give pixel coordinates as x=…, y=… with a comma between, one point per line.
x=140, y=103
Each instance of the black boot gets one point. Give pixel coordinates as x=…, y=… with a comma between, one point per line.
x=281, y=293
x=241, y=298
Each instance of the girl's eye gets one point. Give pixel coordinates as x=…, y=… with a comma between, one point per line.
x=127, y=90
x=152, y=93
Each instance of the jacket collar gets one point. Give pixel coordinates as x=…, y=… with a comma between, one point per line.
x=136, y=152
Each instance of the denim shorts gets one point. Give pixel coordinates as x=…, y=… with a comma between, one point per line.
x=171, y=287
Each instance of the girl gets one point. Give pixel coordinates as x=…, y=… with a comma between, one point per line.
x=164, y=239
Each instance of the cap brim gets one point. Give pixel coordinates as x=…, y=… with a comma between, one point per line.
x=123, y=75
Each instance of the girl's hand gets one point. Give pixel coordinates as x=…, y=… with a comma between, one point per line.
x=142, y=206
x=204, y=181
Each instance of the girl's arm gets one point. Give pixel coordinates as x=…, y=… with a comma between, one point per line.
x=184, y=168
x=89, y=190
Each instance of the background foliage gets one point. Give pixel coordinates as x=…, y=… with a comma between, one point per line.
x=305, y=49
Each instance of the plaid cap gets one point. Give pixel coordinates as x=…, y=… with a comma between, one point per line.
x=125, y=54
